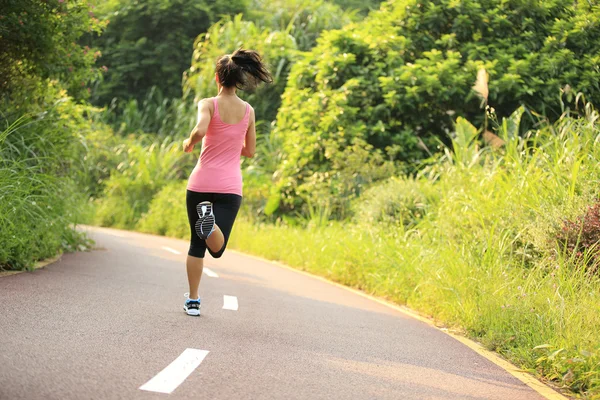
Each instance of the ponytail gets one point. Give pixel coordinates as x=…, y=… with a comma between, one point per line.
x=243, y=69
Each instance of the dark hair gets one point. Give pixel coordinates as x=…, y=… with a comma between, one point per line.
x=243, y=69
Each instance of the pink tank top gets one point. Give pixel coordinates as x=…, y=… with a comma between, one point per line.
x=218, y=169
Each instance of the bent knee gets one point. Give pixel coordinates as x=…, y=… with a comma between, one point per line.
x=217, y=255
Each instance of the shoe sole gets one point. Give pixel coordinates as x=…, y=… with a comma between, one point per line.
x=206, y=220
x=193, y=313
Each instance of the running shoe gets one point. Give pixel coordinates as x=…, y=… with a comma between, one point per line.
x=192, y=307
x=206, y=223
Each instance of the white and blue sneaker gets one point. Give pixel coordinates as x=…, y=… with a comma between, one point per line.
x=206, y=222
x=191, y=306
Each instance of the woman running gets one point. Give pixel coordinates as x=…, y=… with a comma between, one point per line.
x=214, y=190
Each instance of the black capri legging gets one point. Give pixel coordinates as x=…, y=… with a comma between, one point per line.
x=225, y=208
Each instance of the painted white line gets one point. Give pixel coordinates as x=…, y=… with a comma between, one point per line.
x=169, y=378
x=170, y=250
x=230, y=303
x=210, y=272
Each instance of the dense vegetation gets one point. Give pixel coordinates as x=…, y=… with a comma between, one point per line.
x=378, y=165
x=398, y=81
x=149, y=43
x=44, y=71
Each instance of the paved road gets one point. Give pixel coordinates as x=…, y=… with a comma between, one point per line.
x=99, y=325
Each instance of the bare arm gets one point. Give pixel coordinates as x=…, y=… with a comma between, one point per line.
x=201, y=127
x=250, y=142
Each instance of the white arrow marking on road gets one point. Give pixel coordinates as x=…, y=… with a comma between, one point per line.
x=169, y=378
x=171, y=250
x=230, y=303
x=210, y=272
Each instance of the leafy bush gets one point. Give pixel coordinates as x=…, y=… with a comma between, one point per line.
x=39, y=201
x=149, y=43
x=403, y=201
x=167, y=213
x=43, y=70
x=39, y=38
x=399, y=79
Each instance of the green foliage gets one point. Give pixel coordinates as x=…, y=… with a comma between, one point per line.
x=39, y=39
x=144, y=167
x=167, y=214
x=149, y=43
x=471, y=241
x=43, y=70
x=155, y=114
x=294, y=25
x=363, y=6
x=276, y=48
x=353, y=168
x=39, y=201
x=397, y=201
x=399, y=79
x=304, y=20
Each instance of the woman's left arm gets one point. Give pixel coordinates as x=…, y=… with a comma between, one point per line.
x=201, y=127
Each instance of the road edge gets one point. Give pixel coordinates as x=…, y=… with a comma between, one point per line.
x=37, y=265
x=540, y=387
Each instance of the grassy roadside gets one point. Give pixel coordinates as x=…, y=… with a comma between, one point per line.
x=480, y=240
x=506, y=311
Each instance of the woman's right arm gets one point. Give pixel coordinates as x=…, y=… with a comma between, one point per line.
x=201, y=127
x=250, y=142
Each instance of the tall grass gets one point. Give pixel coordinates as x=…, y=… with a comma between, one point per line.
x=145, y=165
x=39, y=202
x=156, y=114
x=483, y=258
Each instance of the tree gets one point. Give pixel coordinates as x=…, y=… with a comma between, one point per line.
x=38, y=41
x=398, y=80
x=149, y=43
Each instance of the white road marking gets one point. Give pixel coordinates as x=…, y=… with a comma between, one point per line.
x=230, y=303
x=170, y=250
x=210, y=272
x=175, y=373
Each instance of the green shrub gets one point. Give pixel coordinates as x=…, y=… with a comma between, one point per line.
x=40, y=39
x=167, y=213
x=400, y=78
x=39, y=200
x=397, y=201
x=44, y=68
x=361, y=5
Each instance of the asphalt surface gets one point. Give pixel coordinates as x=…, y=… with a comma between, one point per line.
x=100, y=324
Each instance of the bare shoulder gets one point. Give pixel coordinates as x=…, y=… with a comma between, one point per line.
x=206, y=105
